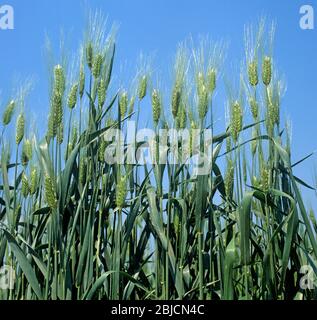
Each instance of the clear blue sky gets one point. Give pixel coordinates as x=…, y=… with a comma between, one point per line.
x=157, y=27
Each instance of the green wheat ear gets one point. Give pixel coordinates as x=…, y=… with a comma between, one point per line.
x=236, y=120
x=82, y=171
x=74, y=137
x=176, y=99
x=179, y=82
x=156, y=106
x=202, y=102
x=121, y=191
x=123, y=103
x=56, y=113
x=20, y=129
x=59, y=79
x=68, y=150
x=265, y=178
x=57, y=107
x=101, y=93
x=60, y=134
x=229, y=179
x=72, y=96
x=97, y=65
x=81, y=81
x=193, y=127
x=142, y=88
x=253, y=73
x=254, y=108
x=33, y=181
x=25, y=186
x=131, y=104
x=27, y=151
x=51, y=127
x=8, y=113
x=50, y=193
x=211, y=80
x=228, y=144
x=267, y=70
x=101, y=150
x=182, y=118
x=89, y=55
x=201, y=82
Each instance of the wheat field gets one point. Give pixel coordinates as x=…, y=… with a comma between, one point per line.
x=74, y=225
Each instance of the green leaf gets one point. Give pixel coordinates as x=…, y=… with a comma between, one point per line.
x=24, y=264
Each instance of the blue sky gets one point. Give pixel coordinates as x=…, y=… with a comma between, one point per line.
x=156, y=27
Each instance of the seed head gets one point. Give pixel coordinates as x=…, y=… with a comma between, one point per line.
x=192, y=137
x=81, y=81
x=8, y=113
x=229, y=179
x=101, y=150
x=236, y=121
x=69, y=150
x=254, y=108
x=72, y=97
x=82, y=171
x=253, y=73
x=60, y=133
x=131, y=104
x=121, y=192
x=202, y=102
x=265, y=178
x=270, y=111
x=256, y=182
x=211, y=80
x=57, y=108
x=52, y=128
x=276, y=114
x=123, y=103
x=26, y=152
x=59, y=80
x=156, y=106
x=176, y=99
x=50, y=192
x=74, y=136
x=177, y=224
x=25, y=186
x=89, y=55
x=110, y=122
x=228, y=144
x=142, y=87
x=267, y=70
x=101, y=93
x=97, y=65
x=57, y=101
x=182, y=118
x=19, y=129
x=24, y=159
x=34, y=181
x=200, y=82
